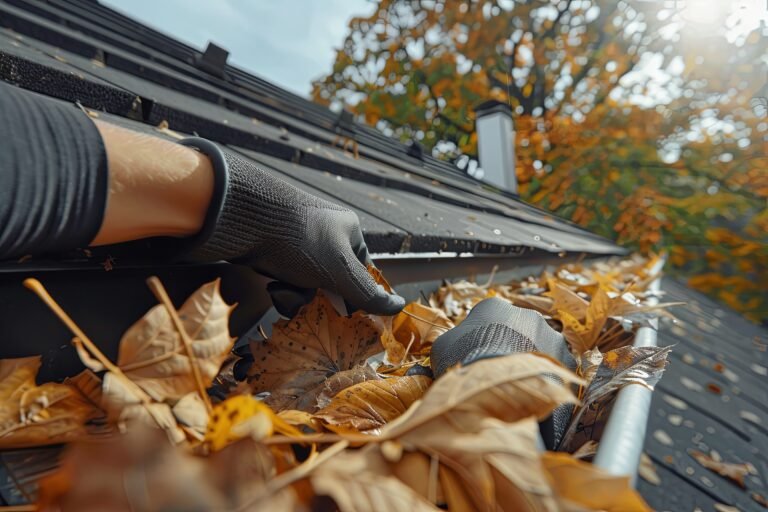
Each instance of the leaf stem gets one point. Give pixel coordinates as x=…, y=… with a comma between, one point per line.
x=38, y=288
x=417, y=317
x=321, y=439
x=159, y=290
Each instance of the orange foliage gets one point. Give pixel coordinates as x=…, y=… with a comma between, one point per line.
x=677, y=165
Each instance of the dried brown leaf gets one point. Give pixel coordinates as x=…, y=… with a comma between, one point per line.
x=618, y=368
x=358, y=482
x=320, y=396
x=647, y=470
x=759, y=498
x=367, y=406
x=152, y=353
x=191, y=411
x=565, y=299
x=309, y=348
x=32, y=415
x=586, y=451
x=584, y=485
x=417, y=326
x=508, y=388
x=125, y=407
x=733, y=471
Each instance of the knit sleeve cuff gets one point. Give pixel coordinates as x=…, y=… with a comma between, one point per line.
x=220, y=186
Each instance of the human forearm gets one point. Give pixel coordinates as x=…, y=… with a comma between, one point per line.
x=156, y=187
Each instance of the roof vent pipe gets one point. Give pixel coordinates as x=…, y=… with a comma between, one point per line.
x=496, y=144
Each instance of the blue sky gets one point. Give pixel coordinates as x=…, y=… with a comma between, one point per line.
x=288, y=42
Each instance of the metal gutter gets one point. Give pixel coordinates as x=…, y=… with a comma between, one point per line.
x=624, y=436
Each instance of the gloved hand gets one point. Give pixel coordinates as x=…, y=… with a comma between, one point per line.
x=496, y=328
x=284, y=233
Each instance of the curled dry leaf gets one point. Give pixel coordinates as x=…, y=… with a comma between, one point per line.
x=32, y=415
x=125, y=407
x=298, y=418
x=318, y=397
x=583, y=486
x=367, y=406
x=362, y=481
x=309, y=348
x=414, y=330
x=191, y=412
x=733, y=471
x=508, y=388
x=618, y=368
x=647, y=470
x=457, y=299
x=586, y=451
x=241, y=417
x=152, y=353
x=565, y=299
x=463, y=424
x=759, y=498
x=498, y=465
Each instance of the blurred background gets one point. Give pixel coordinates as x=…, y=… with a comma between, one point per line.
x=645, y=121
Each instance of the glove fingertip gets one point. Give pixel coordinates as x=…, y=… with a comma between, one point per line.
x=384, y=303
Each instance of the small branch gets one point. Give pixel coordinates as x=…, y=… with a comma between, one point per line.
x=159, y=290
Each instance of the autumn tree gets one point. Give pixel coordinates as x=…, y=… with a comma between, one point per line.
x=641, y=120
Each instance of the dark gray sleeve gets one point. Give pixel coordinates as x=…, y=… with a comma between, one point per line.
x=53, y=175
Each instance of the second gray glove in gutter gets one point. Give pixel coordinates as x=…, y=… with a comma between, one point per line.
x=496, y=328
x=284, y=233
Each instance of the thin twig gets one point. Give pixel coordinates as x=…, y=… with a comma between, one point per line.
x=320, y=439
x=490, y=278
x=417, y=317
x=37, y=287
x=434, y=467
x=159, y=290
x=298, y=473
x=407, y=350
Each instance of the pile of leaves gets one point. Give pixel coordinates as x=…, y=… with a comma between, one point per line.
x=325, y=420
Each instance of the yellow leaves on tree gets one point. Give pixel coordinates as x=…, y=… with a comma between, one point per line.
x=32, y=415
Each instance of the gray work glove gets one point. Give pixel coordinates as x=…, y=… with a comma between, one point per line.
x=496, y=328
x=300, y=240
